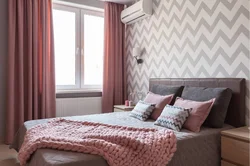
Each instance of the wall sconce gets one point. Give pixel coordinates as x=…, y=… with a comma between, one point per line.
x=137, y=54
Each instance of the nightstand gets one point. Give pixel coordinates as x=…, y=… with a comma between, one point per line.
x=121, y=108
x=235, y=147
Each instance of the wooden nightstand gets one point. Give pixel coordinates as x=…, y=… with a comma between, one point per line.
x=235, y=147
x=121, y=108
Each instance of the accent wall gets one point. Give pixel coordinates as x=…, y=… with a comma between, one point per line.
x=191, y=39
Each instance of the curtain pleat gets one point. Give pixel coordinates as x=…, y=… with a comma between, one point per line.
x=31, y=71
x=114, y=81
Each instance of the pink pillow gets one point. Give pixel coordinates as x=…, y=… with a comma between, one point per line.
x=199, y=113
x=159, y=101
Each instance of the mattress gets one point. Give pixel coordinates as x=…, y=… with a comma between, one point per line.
x=193, y=149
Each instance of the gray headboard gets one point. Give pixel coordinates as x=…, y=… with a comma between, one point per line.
x=236, y=110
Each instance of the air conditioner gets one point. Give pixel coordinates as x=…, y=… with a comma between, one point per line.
x=137, y=11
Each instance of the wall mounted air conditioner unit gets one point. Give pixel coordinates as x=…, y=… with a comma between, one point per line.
x=137, y=11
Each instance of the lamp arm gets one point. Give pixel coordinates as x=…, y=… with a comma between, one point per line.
x=139, y=61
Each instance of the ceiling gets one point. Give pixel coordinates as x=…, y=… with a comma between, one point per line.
x=121, y=1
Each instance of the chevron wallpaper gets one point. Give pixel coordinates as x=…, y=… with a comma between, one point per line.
x=191, y=38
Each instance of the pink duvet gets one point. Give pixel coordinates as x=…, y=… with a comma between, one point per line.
x=120, y=146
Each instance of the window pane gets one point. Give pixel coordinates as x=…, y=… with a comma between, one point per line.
x=93, y=49
x=65, y=45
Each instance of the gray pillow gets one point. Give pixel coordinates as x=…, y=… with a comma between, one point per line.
x=218, y=113
x=167, y=90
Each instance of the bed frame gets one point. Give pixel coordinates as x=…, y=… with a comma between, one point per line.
x=237, y=106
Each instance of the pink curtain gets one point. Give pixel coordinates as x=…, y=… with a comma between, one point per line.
x=31, y=73
x=114, y=84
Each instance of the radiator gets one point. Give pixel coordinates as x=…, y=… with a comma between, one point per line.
x=78, y=106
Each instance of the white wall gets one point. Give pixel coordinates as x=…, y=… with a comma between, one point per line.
x=3, y=62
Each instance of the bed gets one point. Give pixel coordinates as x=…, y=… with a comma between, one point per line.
x=193, y=149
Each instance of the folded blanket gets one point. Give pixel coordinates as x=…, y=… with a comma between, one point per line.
x=118, y=145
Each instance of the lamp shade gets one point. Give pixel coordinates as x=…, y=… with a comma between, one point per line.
x=136, y=51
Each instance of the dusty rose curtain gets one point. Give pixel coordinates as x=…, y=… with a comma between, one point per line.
x=114, y=88
x=31, y=80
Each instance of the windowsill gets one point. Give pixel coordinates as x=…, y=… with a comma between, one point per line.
x=79, y=93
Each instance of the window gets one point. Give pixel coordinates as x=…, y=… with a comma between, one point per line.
x=79, y=41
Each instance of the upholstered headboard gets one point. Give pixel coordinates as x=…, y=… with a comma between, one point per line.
x=236, y=110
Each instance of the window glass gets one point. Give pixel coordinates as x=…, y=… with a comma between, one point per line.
x=65, y=45
x=93, y=49
x=79, y=47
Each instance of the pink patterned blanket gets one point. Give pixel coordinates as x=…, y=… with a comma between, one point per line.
x=119, y=146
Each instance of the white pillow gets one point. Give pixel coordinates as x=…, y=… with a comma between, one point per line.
x=173, y=117
x=142, y=110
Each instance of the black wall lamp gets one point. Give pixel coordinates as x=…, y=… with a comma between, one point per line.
x=137, y=55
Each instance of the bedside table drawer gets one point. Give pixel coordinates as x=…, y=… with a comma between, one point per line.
x=122, y=108
x=118, y=110
x=235, y=150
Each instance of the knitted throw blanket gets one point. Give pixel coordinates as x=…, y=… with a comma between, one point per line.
x=118, y=145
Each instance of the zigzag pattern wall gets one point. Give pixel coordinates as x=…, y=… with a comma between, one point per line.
x=191, y=38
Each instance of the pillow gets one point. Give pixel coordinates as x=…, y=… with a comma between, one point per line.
x=142, y=110
x=199, y=113
x=159, y=101
x=167, y=90
x=173, y=117
x=218, y=112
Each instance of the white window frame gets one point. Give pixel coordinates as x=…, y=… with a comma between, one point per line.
x=79, y=50
x=93, y=13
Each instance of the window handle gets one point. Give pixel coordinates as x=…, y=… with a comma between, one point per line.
x=82, y=52
x=77, y=51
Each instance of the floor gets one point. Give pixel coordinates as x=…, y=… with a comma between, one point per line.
x=8, y=157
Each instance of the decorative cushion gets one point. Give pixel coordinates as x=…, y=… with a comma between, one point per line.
x=199, y=113
x=218, y=112
x=159, y=101
x=142, y=110
x=173, y=117
x=167, y=90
